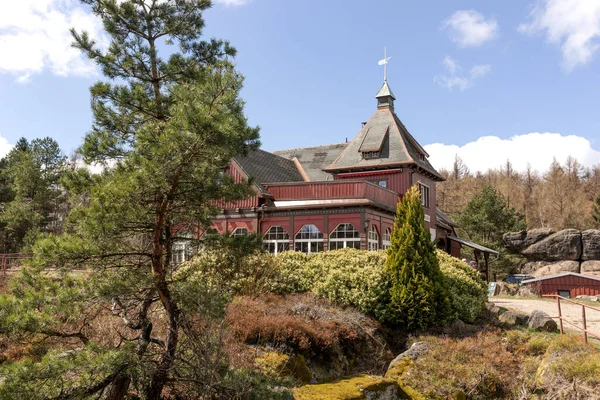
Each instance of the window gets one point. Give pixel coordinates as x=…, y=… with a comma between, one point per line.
x=276, y=240
x=386, y=243
x=424, y=195
x=182, y=248
x=344, y=236
x=209, y=232
x=565, y=293
x=383, y=184
x=370, y=154
x=309, y=240
x=239, y=232
x=373, y=239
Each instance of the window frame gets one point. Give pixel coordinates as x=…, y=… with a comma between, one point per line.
x=386, y=239
x=372, y=240
x=182, y=249
x=344, y=241
x=368, y=155
x=240, y=228
x=276, y=245
x=309, y=242
x=425, y=192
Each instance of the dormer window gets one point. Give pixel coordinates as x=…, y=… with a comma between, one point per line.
x=370, y=154
x=422, y=157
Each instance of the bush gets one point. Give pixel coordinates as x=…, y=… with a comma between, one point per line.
x=346, y=277
x=357, y=278
x=468, y=291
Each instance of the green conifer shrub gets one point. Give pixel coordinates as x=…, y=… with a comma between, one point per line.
x=468, y=292
x=419, y=297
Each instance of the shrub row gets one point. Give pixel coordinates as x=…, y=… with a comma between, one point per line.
x=347, y=277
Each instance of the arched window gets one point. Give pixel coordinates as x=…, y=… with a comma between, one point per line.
x=344, y=236
x=208, y=233
x=276, y=240
x=239, y=232
x=309, y=240
x=182, y=248
x=385, y=243
x=373, y=239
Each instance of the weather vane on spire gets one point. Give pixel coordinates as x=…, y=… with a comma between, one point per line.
x=384, y=63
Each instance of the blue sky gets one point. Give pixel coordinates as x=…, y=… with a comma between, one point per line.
x=480, y=79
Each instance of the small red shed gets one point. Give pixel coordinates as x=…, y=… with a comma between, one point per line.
x=568, y=284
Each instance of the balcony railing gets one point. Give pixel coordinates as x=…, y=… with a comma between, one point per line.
x=329, y=190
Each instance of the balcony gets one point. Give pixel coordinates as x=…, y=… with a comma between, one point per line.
x=332, y=193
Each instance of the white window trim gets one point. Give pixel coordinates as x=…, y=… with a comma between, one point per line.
x=308, y=240
x=425, y=199
x=240, y=228
x=373, y=243
x=277, y=242
x=386, y=244
x=345, y=241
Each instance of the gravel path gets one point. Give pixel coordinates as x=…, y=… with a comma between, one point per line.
x=570, y=312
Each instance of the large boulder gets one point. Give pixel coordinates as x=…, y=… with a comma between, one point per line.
x=591, y=244
x=563, y=245
x=517, y=241
x=530, y=267
x=590, y=267
x=540, y=321
x=512, y=318
x=557, y=268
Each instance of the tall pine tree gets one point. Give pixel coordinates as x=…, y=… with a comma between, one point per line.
x=418, y=294
x=170, y=124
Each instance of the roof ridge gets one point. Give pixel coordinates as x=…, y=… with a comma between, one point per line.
x=310, y=147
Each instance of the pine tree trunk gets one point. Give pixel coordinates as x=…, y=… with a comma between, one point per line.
x=118, y=389
x=161, y=374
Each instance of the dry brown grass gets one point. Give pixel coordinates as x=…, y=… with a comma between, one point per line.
x=310, y=326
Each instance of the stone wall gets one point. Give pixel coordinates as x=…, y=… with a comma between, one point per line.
x=549, y=252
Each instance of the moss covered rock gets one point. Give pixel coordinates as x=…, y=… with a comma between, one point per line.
x=356, y=388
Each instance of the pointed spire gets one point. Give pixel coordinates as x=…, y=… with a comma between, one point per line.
x=385, y=97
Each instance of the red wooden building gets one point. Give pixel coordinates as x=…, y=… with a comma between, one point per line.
x=568, y=284
x=341, y=195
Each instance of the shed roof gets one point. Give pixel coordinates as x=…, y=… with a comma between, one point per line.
x=594, y=278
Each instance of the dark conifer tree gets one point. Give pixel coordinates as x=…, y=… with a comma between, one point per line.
x=418, y=295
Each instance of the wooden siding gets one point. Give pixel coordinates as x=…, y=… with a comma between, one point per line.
x=396, y=180
x=333, y=190
x=576, y=285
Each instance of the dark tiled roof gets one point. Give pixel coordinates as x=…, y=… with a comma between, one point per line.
x=267, y=167
x=398, y=146
x=314, y=159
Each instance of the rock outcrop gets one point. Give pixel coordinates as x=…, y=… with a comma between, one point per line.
x=557, y=268
x=549, y=253
x=559, y=246
x=591, y=267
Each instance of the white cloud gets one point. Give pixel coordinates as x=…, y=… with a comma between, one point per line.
x=469, y=28
x=537, y=149
x=5, y=147
x=232, y=3
x=35, y=37
x=455, y=77
x=572, y=24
